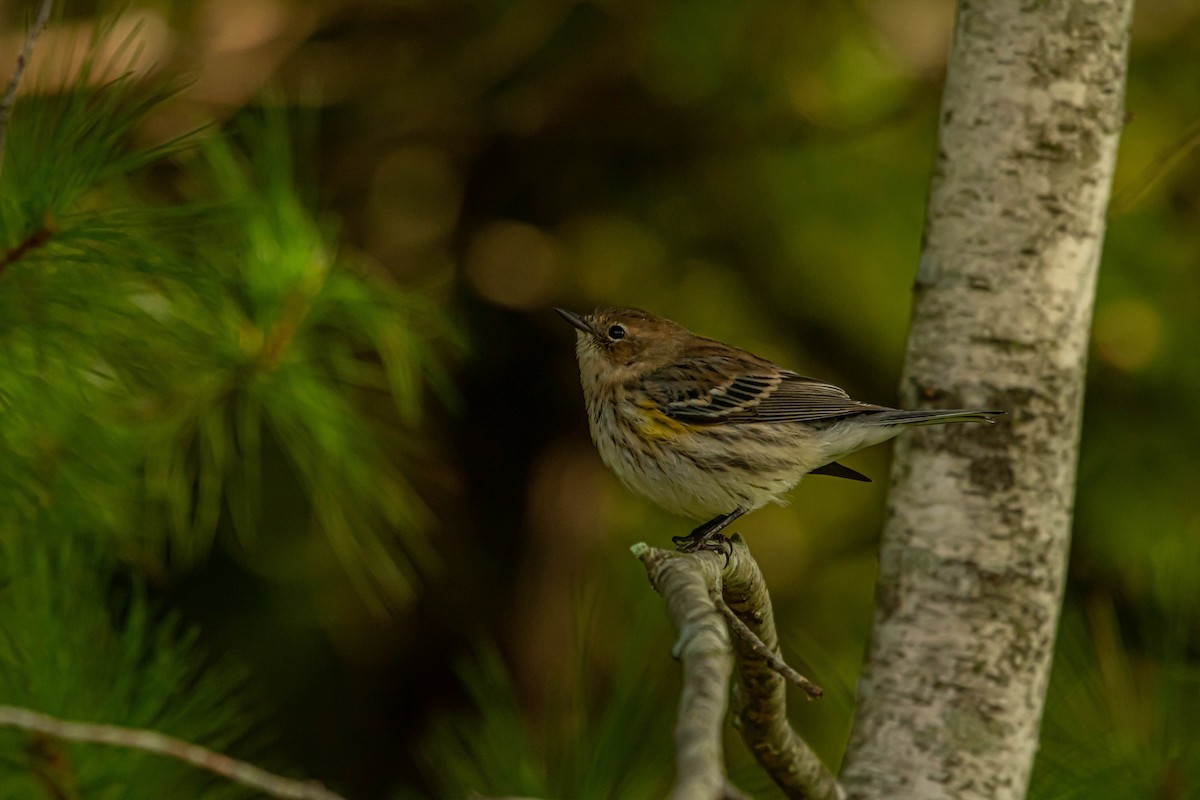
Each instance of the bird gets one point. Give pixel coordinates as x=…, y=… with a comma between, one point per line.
x=709, y=431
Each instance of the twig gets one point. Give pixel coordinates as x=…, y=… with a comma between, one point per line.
x=10, y=94
x=773, y=659
x=703, y=648
x=760, y=692
x=1132, y=193
x=161, y=744
x=31, y=242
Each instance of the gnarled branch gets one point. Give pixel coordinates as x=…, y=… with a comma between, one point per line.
x=697, y=588
x=703, y=648
x=760, y=694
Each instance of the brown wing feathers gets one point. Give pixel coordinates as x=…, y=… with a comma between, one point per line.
x=699, y=390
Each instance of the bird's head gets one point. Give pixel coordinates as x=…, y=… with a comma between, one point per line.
x=618, y=343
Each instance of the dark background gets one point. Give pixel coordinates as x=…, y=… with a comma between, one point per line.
x=756, y=171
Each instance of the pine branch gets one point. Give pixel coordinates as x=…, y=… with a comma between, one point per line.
x=698, y=593
x=31, y=242
x=10, y=94
x=161, y=744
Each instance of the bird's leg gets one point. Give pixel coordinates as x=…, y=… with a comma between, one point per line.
x=708, y=536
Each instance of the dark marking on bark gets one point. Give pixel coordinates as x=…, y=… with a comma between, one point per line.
x=993, y=473
x=1007, y=343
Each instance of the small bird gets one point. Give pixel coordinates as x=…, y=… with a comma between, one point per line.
x=710, y=431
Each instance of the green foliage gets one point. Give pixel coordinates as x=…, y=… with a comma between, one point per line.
x=188, y=361
x=1120, y=721
x=149, y=348
x=292, y=342
x=154, y=343
x=72, y=327
x=66, y=651
x=601, y=734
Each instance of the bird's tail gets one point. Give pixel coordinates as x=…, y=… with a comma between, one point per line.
x=931, y=416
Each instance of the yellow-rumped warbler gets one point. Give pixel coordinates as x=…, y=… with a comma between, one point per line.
x=709, y=431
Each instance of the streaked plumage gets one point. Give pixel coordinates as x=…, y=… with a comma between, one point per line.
x=707, y=430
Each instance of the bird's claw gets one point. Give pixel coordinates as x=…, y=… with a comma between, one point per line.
x=714, y=542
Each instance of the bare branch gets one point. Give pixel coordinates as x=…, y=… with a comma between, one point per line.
x=10, y=94
x=703, y=648
x=760, y=693
x=161, y=744
x=696, y=588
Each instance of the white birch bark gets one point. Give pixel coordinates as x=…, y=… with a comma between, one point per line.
x=974, y=552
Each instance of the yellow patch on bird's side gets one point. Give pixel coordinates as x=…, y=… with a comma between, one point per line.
x=654, y=424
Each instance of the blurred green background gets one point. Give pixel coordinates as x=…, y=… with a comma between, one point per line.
x=754, y=170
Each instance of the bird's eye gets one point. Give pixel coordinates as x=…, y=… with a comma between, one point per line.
x=616, y=332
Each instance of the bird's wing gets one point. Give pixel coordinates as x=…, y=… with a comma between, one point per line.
x=712, y=390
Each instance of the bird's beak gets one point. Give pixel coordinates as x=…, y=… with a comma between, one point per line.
x=576, y=321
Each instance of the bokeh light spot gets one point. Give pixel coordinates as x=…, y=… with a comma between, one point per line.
x=63, y=47
x=414, y=199
x=513, y=264
x=1128, y=333
x=236, y=25
x=614, y=256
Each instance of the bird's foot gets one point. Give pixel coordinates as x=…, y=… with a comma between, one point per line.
x=707, y=537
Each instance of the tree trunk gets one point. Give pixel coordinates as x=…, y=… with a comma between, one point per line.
x=974, y=553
